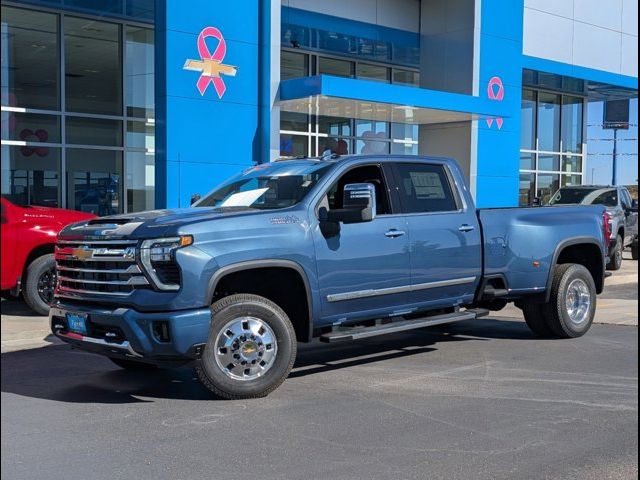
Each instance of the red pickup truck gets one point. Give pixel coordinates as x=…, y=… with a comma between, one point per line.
x=28, y=240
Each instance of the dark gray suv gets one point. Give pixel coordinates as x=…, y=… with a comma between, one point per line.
x=622, y=211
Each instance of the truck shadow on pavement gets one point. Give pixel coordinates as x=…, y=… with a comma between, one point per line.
x=60, y=374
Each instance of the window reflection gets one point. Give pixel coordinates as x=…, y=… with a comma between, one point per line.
x=30, y=127
x=94, y=180
x=30, y=175
x=140, y=181
x=572, y=124
x=548, y=122
x=30, y=60
x=93, y=70
x=139, y=88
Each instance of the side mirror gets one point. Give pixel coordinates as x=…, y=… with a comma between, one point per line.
x=634, y=206
x=194, y=198
x=359, y=205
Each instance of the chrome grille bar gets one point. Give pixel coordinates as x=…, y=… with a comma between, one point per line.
x=130, y=269
x=137, y=280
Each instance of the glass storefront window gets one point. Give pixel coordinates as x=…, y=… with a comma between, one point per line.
x=548, y=122
x=339, y=146
x=406, y=77
x=372, y=144
x=548, y=184
x=31, y=175
x=294, y=122
x=93, y=67
x=30, y=127
x=141, y=134
x=548, y=162
x=94, y=180
x=139, y=87
x=377, y=73
x=293, y=65
x=367, y=127
x=404, y=131
x=527, y=161
x=571, y=134
x=335, y=67
x=93, y=131
x=30, y=59
x=140, y=175
x=399, y=148
x=294, y=145
x=335, y=126
x=528, y=120
x=571, y=163
x=526, y=189
x=571, y=180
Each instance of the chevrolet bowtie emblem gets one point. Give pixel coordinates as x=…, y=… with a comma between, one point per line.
x=210, y=65
x=82, y=253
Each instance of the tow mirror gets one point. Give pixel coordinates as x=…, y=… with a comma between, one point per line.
x=359, y=205
x=194, y=198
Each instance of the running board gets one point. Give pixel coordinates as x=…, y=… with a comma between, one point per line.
x=356, y=333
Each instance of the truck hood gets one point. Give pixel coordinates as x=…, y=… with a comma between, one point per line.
x=149, y=224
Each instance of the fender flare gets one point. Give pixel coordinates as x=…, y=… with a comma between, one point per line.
x=265, y=263
x=567, y=243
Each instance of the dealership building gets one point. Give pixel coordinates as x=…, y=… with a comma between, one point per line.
x=126, y=105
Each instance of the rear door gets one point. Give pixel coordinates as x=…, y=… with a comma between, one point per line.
x=444, y=235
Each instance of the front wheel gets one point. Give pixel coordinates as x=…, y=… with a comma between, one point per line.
x=250, y=350
x=40, y=283
x=572, y=305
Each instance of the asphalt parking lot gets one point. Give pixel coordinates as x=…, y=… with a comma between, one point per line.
x=482, y=399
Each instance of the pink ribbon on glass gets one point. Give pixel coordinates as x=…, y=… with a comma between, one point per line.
x=495, y=91
x=210, y=64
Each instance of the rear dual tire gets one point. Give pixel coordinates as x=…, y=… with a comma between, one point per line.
x=250, y=349
x=571, y=307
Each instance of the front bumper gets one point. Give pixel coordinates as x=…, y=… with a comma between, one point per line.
x=160, y=338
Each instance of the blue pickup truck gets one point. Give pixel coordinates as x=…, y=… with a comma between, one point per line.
x=339, y=248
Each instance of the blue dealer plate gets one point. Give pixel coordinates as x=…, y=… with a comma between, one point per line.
x=77, y=322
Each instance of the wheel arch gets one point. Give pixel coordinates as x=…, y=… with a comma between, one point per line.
x=37, y=251
x=579, y=250
x=303, y=327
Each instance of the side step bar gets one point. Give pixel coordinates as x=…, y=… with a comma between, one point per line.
x=356, y=333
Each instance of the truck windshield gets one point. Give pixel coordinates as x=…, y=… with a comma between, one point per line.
x=585, y=196
x=267, y=187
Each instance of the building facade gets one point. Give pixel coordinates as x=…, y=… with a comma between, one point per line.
x=128, y=105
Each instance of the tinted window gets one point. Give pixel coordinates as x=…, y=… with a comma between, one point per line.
x=365, y=174
x=424, y=188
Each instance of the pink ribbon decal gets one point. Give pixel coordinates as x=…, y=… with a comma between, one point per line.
x=495, y=91
x=210, y=64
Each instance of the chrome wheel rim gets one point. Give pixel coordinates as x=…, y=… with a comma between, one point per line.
x=245, y=348
x=47, y=285
x=578, y=301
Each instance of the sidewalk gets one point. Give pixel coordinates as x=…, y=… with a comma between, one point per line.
x=618, y=305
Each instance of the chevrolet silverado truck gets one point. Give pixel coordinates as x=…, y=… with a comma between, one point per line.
x=622, y=211
x=340, y=248
x=28, y=241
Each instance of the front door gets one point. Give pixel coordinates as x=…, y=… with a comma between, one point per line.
x=444, y=236
x=363, y=272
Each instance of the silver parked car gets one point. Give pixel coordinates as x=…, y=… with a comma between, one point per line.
x=622, y=211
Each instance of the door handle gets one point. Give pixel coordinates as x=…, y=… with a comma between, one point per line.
x=393, y=233
x=466, y=228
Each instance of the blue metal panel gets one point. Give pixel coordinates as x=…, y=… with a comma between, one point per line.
x=498, y=139
x=584, y=73
x=203, y=134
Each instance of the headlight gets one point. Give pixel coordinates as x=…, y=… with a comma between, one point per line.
x=158, y=260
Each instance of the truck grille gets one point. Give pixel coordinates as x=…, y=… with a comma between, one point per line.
x=100, y=267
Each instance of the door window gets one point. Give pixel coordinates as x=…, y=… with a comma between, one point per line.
x=424, y=188
x=366, y=174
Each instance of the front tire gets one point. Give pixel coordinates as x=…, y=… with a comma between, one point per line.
x=40, y=283
x=572, y=304
x=615, y=263
x=250, y=350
